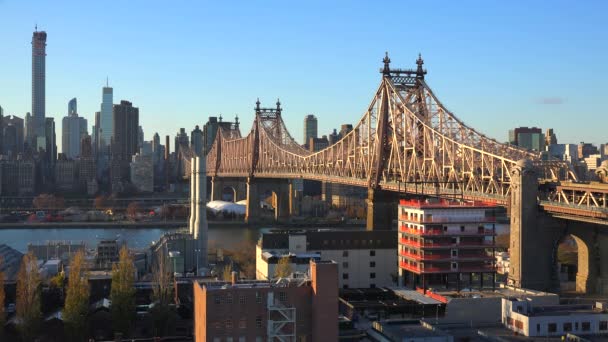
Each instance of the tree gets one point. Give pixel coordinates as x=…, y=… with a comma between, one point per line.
x=77, y=299
x=122, y=293
x=227, y=273
x=48, y=201
x=100, y=202
x=2, y=298
x=283, y=269
x=132, y=210
x=28, y=296
x=162, y=290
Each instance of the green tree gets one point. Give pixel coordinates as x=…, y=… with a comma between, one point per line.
x=122, y=293
x=283, y=269
x=28, y=297
x=77, y=299
x=162, y=314
x=2, y=298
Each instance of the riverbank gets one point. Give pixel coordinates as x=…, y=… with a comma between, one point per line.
x=170, y=224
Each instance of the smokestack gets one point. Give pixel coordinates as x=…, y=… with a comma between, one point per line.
x=193, y=187
x=200, y=221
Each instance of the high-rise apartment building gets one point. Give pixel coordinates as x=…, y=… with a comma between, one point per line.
x=181, y=139
x=550, y=137
x=73, y=129
x=531, y=138
x=446, y=244
x=196, y=141
x=1, y=130
x=211, y=127
x=310, y=128
x=30, y=136
x=13, y=128
x=106, y=121
x=126, y=130
x=38, y=85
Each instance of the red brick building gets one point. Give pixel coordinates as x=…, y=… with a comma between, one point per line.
x=446, y=244
x=295, y=309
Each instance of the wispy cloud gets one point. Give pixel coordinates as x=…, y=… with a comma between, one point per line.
x=550, y=100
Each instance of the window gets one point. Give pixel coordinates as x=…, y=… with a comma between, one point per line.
x=242, y=323
x=258, y=298
x=575, y=326
x=537, y=328
x=242, y=339
x=372, y=286
x=345, y=264
x=372, y=264
x=445, y=228
x=372, y=253
x=454, y=265
x=217, y=299
x=372, y=275
x=462, y=229
x=242, y=299
x=258, y=322
x=454, y=253
x=586, y=326
x=344, y=275
x=218, y=325
x=345, y=254
x=282, y=296
x=344, y=286
x=229, y=298
x=454, y=240
x=568, y=326
x=603, y=325
x=519, y=324
x=228, y=323
x=552, y=327
x=216, y=339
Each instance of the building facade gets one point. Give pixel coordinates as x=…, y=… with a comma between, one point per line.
x=292, y=309
x=38, y=84
x=365, y=258
x=126, y=130
x=442, y=243
x=142, y=173
x=310, y=128
x=73, y=130
x=196, y=141
x=531, y=138
x=106, y=120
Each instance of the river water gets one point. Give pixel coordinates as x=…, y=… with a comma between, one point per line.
x=138, y=238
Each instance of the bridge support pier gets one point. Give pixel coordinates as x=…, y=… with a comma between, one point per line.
x=252, y=211
x=381, y=209
x=217, y=186
x=282, y=200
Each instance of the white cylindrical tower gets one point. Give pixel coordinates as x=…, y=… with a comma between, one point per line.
x=192, y=195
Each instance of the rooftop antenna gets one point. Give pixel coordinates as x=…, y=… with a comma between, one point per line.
x=107, y=82
x=36, y=27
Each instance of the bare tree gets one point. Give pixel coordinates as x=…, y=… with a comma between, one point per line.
x=28, y=297
x=162, y=314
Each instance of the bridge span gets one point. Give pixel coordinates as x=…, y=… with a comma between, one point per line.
x=408, y=142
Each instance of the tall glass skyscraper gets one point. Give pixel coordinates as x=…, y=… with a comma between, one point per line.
x=106, y=122
x=72, y=107
x=38, y=84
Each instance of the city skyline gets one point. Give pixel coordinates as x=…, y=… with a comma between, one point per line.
x=527, y=87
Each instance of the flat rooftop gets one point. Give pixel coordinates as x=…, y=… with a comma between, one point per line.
x=433, y=203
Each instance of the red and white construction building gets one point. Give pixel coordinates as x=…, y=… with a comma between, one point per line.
x=446, y=244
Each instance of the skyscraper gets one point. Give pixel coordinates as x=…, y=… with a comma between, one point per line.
x=38, y=84
x=13, y=134
x=106, y=120
x=30, y=136
x=73, y=129
x=196, y=141
x=126, y=131
x=73, y=106
x=95, y=134
x=310, y=128
x=1, y=130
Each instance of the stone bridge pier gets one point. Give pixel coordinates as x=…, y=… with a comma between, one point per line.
x=381, y=209
x=235, y=186
x=281, y=191
x=535, y=237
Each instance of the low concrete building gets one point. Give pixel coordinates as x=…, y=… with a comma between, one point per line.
x=365, y=259
x=529, y=319
x=302, y=309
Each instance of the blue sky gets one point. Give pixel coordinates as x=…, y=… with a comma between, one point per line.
x=495, y=64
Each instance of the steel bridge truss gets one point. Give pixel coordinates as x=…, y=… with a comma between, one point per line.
x=406, y=136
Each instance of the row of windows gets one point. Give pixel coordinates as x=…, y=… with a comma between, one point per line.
x=372, y=264
x=242, y=323
x=566, y=327
x=371, y=275
x=353, y=242
x=241, y=339
x=242, y=299
x=371, y=253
